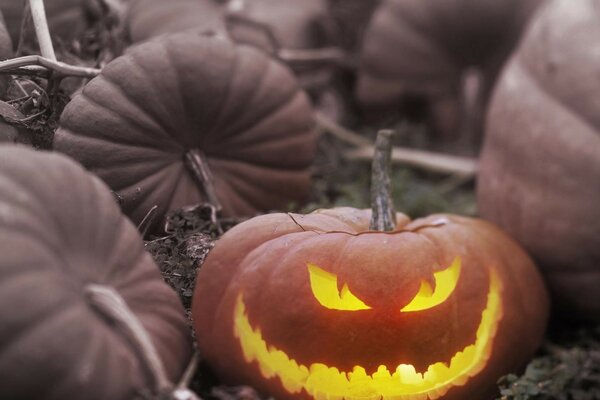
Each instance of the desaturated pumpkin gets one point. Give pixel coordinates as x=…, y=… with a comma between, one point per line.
x=540, y=167
x=146, y=19
x=61, y=234
x=295, y=25
x=269, y=25
x=67, y=19
x=318, y=306
x=420, y=49
x=241, y=111
x=5, y=52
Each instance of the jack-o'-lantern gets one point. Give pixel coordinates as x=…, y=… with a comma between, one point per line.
x=320, y=306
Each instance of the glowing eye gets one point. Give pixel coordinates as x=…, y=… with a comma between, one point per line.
x=324, y=286
x=445, y=283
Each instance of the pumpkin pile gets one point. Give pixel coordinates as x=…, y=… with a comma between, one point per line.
x=176, y=150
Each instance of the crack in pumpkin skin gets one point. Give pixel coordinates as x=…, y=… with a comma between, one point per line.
x=325, y=382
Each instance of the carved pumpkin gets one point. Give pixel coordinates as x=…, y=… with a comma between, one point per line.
x=421, y=49
x=316, y=305
x=187, y=94
x=61, y=235
x=540, y=166
x=67, y=19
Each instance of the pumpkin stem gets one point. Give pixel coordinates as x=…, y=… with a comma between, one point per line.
x=383, y=217
x=108, y=302
x=42, y=32
x=195, y=161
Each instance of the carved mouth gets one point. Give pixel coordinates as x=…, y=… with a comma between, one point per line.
x=325, y=382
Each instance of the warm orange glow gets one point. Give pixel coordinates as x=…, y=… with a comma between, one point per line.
x=445, y=283
x=324, y=286
x=326, y=382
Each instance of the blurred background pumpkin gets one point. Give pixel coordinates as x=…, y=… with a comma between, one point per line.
x=540, y=166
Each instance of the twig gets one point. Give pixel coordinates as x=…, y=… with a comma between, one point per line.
x=346, y=135
x=148, y=221
x=383, y=217
x=41, y=29
x=182, y=392
x=25, y=19
x=329, y=55
x=426, y=160
x=34, y=62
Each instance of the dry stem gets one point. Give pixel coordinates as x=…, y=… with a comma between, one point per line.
x=110, y=304
x=41, y=29
x=383, y=217
x=426, y=160
x=39, y=65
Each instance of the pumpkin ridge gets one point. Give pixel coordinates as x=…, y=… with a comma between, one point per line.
x=261, y=186
x=258, y=162
x=151, y=133
x=64, y=306
x=125, y=140
x=136, y=180
x=250, y=190
x=258, y=89
x=235, y=65
x=153, y=168
x=51, y=247
x=167, y=131
x=197, y=133
x=94, y=348
x=151, y=182
x=181, y=100
x=246, y=140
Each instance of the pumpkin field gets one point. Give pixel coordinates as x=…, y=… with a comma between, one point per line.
x=300, y=199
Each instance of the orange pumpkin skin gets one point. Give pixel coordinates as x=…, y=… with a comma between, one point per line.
x=134, y=124
x=423, y=47
x=60, y=232
x=264, y=262
x=540, y=166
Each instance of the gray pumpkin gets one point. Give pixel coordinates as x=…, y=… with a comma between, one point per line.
x=135, y=124
x=61, y=235
x=540, y=167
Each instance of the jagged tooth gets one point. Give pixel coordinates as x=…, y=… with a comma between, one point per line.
x=438, y=372
x=358, y=375
x=291, y=375
x=409, y=375
x=323, y=377
x=361, y=386
x=382, y=374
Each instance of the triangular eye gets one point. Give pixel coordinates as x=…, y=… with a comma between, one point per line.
x=445, y=283
x=324, y=286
